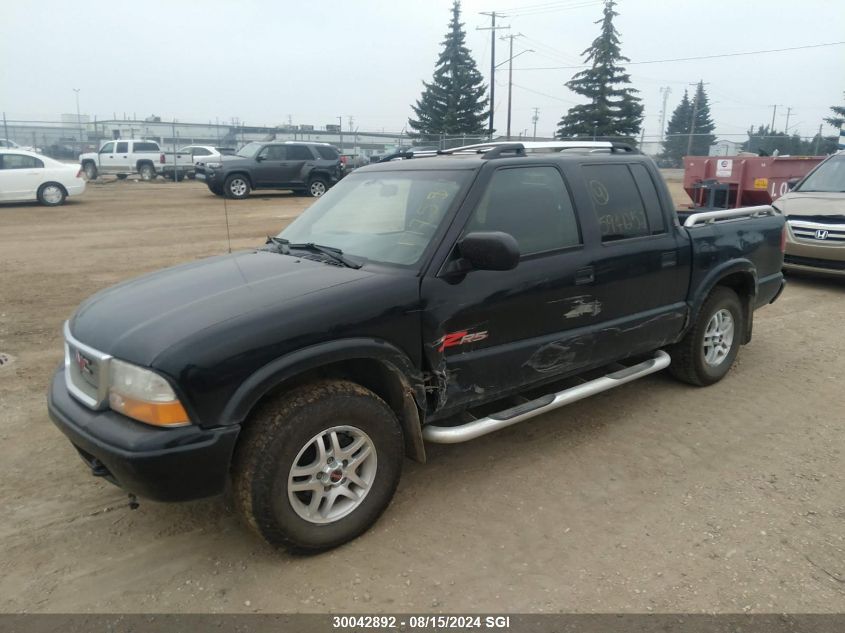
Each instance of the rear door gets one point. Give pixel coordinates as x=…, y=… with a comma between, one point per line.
x=298, y=158
x=640, y=265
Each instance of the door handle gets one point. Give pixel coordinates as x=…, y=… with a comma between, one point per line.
x=586, y=275
x=668, y=259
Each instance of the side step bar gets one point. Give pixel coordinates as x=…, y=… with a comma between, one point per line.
x=544, y=404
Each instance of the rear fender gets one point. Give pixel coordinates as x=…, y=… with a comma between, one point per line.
x=741, y=276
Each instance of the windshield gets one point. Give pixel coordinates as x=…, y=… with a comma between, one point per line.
x=249, y=150
x=387, y=217
x=828, y=177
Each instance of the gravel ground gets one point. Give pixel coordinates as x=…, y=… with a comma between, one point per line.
x=653, y=497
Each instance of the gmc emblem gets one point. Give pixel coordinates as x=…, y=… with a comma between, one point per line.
x=83, y=363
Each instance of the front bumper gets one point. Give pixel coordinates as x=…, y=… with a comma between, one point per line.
x=176, y=464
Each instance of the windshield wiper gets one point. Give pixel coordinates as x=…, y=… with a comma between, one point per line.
x=333, y=253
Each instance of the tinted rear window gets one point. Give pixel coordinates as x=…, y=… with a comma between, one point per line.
x=328, y=153
x=616, y=202
x=146, y=147
x=299, y=152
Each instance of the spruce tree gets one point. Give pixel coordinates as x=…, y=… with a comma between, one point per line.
x=703, y=136
x=677, y=131
x=613, y=110
x=676, y=142
x=454, y=102
x=838, y=118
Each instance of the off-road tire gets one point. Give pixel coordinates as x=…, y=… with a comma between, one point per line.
x=274, y=435
x=688, y=363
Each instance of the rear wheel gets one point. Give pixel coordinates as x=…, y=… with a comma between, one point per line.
x=709, y=349
x=317, y=187
x=237, y=187
x=51, y=194
x=147, y=172
x=317, y=467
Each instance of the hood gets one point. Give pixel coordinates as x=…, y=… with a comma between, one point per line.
x=811, y=203
x=139, y=319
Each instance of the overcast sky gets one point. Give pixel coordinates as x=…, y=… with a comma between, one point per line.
x=263, y=61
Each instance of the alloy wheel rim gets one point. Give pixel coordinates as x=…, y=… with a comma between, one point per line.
x=52, y=194
x=332, y=474
x=718, y=337
x=317, y=189
x=237, y=187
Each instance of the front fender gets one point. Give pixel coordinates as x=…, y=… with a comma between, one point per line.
x=276, y=372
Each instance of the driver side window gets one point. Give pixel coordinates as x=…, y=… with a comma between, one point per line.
x=273, y=152
x=533, y=205
x=108, y=148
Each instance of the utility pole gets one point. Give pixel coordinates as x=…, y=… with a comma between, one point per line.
x=788, y=113
x=340, y=129
x=492, y=28
x=694, y=115
x=351, y=121
x=534, y=120
x=510, y=77
x=815, y=151
x=774, y=112
x=78, y=119
x=664, y=91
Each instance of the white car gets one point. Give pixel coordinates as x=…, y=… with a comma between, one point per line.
x=26, y=176
x=206, y=153
x=7, y=144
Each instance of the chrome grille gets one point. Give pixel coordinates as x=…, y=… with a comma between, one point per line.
x=86, y=372
x=818, y=232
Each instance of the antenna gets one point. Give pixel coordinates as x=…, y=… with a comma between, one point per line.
x=226, y=215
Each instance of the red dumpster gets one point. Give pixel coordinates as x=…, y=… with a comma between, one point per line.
x=724, y=182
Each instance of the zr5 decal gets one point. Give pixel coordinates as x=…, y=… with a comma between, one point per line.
x=459, y=338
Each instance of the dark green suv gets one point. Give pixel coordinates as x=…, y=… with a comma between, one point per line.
x=310, y=168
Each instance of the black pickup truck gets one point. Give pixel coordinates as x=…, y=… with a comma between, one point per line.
x=429, y=299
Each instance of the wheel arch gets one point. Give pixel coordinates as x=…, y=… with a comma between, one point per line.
x=240, y=172
x=377, y=365
x=51, y=182
x=741, y=277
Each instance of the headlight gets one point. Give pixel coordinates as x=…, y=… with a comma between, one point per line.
x=144, y=395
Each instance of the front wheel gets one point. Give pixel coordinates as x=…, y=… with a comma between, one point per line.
x=236, y=187
x=317, y=467
x=708, y=350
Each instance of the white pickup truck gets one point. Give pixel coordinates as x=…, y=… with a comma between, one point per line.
x=123, y=157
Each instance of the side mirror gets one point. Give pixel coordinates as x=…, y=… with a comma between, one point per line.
x=259, y=158
x=792, y=182
x=489, y=250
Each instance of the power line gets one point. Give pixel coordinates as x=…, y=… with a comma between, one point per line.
x=687, y=59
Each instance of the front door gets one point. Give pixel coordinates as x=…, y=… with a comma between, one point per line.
x=20, y=176
x=490, y=332
x=269, y=168
x=106, y=158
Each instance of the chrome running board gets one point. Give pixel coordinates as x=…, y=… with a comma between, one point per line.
x=543, y=404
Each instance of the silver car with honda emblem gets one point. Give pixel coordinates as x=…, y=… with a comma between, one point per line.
x=815, y=217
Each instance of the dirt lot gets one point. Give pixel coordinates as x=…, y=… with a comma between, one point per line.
x=653, y=497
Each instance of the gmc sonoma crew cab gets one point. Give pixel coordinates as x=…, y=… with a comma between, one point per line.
x=434, y=299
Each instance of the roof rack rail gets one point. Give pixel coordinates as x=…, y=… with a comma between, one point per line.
x=500, y=149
